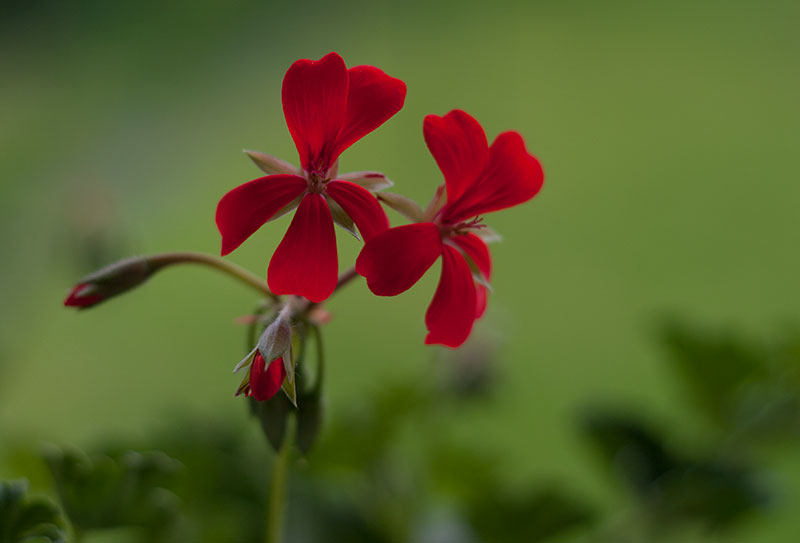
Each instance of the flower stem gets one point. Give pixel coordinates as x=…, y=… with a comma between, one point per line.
x=167, y=259
x=277, y=488
x=344, y=278
x=320, y=360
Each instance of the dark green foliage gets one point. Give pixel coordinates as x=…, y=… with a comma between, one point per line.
x=673, y=486
x=536, y=516
x=28, y=520
x=118, y=488
x=746, y=388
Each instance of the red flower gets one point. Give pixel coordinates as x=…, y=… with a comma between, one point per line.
x=478, y=179
x=265, y=381
x=327, y=108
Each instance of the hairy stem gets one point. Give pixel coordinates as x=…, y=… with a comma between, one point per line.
x=167, y=259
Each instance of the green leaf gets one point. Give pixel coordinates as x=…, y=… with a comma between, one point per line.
x=715, y=367
x=23, y=519
x=537, y=516
x=119, y=489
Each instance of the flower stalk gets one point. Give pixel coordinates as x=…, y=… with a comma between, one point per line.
x=276, y=501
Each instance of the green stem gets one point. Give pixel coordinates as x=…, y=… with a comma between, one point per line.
x=320, y=360
x=167, y=259
x=277, y=488
x=345, y=277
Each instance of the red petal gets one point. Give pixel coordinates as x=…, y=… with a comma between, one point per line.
x=511, y=177
x=305, y=262
x=481, y=294
x=478, y=252
x=452, y=311
x=373, y=97
x=314, y=101
x=265, y=382
x=459, y=145
x=361, y=205
x=244, y=209
x=395, y=259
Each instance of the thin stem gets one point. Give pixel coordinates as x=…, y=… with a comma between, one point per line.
x=277, y=488
x=166, y=259
x=320, y=359
x=345, y=277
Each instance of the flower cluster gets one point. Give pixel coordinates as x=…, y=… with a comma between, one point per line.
x=329, y=107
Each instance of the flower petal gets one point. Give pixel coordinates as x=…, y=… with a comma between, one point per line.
x=395, y=259
x=511, y=177
x=314, y=103
x=477, y=251
x=265, y=381
x=372, y=98
x=481, y=295
x=361, y=205
x=243, y=210
x=452, y=311
x=305, y=263
x=458, y=143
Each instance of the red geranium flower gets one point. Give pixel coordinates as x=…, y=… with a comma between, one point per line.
x=478, y=179
x=327, y=108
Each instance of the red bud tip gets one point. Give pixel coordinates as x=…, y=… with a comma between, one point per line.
x=81, y=296
x=265, y=381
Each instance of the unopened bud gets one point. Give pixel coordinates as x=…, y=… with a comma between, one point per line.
x=108, y=282
x=276, y=341
x=264, y=379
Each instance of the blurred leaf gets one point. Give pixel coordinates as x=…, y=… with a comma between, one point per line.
x=118, y=489
x=713, y=367
x=714, y=493
x=224, y=481
x=633, y=451
x=673, y=486
x=537, y=516
x=25, y=519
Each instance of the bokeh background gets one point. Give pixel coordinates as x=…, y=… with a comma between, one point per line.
x=668, y=132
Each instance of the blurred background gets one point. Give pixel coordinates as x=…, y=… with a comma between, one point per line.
x=646, y=300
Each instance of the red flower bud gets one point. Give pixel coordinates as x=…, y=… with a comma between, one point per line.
x=265, y=381
x=110, y=281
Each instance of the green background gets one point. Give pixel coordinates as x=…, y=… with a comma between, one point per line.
x=668, y=134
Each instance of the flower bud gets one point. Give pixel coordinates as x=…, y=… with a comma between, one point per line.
x=276, y=341
x=108, y=282
x=265, y=381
